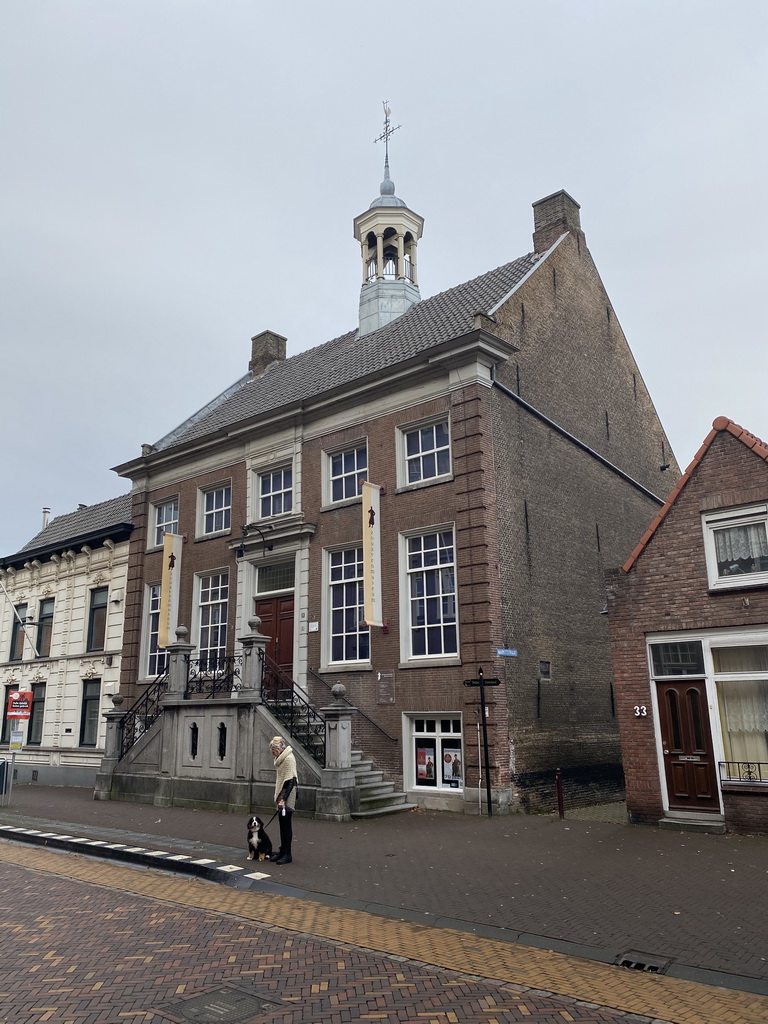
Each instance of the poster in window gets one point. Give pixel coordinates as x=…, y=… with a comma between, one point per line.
x=425, y=763
x=453, y=769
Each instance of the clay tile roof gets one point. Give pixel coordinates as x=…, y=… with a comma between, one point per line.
x=719, y=424
x=84, y=522
x=350, y=358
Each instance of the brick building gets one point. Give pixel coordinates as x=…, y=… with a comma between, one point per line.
x=688, y=616
x=519, y=455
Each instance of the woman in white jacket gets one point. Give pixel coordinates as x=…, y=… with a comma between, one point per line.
x=286, y=785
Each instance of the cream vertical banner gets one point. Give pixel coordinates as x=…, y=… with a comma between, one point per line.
x=372, y=555
x=169, y=589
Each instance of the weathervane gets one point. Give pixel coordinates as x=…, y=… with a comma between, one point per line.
x=387, y=130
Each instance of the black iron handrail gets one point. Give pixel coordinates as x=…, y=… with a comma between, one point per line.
x=368, y=718
x=211, y=675
x=142, y=713
x=280, y=695
x=743, y=771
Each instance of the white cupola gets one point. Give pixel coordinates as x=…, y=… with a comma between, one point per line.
x=388, y=233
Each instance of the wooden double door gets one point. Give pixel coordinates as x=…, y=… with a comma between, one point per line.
x=686, y=737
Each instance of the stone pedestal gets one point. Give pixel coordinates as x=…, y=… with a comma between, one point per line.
x=337, y=796
x=254, y=645
x=178, y=665
x=112, y=744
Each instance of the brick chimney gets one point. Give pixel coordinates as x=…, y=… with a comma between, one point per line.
x=552, y=217
x=266, y=348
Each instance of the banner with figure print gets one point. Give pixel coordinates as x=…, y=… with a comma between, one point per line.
x=372, y=555
x=169, y=589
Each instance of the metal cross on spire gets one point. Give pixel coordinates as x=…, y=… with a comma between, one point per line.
x=388, y=130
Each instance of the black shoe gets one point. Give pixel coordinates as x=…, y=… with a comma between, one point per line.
x=284, y=858
x=274, y=857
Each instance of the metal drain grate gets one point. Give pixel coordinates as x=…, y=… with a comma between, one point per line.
x=221, y=1006
x=637, y=961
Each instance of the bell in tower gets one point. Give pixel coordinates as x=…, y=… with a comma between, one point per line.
x=388, y=233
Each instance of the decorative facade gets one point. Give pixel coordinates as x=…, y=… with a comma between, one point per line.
x=62, y=602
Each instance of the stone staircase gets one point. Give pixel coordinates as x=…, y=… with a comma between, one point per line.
x=377, y=797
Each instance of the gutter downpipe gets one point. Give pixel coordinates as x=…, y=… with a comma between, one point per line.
x=574, y=440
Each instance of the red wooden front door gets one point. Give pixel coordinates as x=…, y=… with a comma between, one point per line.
x=276, y=614
x=687, y=746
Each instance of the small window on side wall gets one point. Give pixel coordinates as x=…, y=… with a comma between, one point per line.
x=736, y=547
x=97, y=619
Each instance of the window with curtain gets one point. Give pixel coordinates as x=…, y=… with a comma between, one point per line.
x=736, y=547
x=743, y=702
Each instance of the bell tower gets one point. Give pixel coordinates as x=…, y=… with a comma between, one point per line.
x=388, y=233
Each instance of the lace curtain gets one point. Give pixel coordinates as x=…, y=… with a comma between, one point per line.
x=743, y=542
x=744, y=716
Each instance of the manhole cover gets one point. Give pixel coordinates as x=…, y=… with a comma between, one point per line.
x=222, y=1006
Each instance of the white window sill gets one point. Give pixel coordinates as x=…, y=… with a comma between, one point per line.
x=435, y=662
x=346, y=666
x=419, y=484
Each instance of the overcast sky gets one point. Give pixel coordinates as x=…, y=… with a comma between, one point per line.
x=179, y=175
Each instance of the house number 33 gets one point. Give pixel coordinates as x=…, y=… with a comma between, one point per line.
x=640, y=711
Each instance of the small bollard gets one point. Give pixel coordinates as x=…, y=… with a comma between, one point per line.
x=559, y=791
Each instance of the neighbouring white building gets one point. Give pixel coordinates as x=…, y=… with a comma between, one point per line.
x=62, y=600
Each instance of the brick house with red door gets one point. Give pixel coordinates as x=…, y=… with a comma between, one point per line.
x=688, y=617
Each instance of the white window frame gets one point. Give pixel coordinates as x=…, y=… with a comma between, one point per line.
x=751, y=515
x=443, y=741
x=224, y=510
x=407, y=655
x=272, y=471
x=160, y=524
x=726, y=637
x=328, y=584
x=152, y=617
x=404, y=459
x=358, y=473
x=204, y=652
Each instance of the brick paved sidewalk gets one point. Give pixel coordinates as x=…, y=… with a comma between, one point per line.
x=95, y=943
x=591, y=888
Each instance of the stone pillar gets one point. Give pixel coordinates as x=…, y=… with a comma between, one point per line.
x=379, y=255
x=254, y=645
x=337, y=796
x=178, y=665
x=112, y=743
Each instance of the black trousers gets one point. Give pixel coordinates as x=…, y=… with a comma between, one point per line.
x=286, y=829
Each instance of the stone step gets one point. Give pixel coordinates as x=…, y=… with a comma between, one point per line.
x=362, y=778
x=379, y=811
x=371, y=790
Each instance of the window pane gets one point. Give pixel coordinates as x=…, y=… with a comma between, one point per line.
x=740, y=659
x=349, y=638
x=678, y=659
x=17, y=633
x=741, y=550
x=45, y=627
x=97, y=619
x=744, y=717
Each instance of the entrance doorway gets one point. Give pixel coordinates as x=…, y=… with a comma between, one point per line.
x=689, y=764
x=276, y=614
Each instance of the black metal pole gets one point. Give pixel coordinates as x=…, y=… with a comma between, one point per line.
x=485, y=743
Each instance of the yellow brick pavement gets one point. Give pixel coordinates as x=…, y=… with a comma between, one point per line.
x=654, y=996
